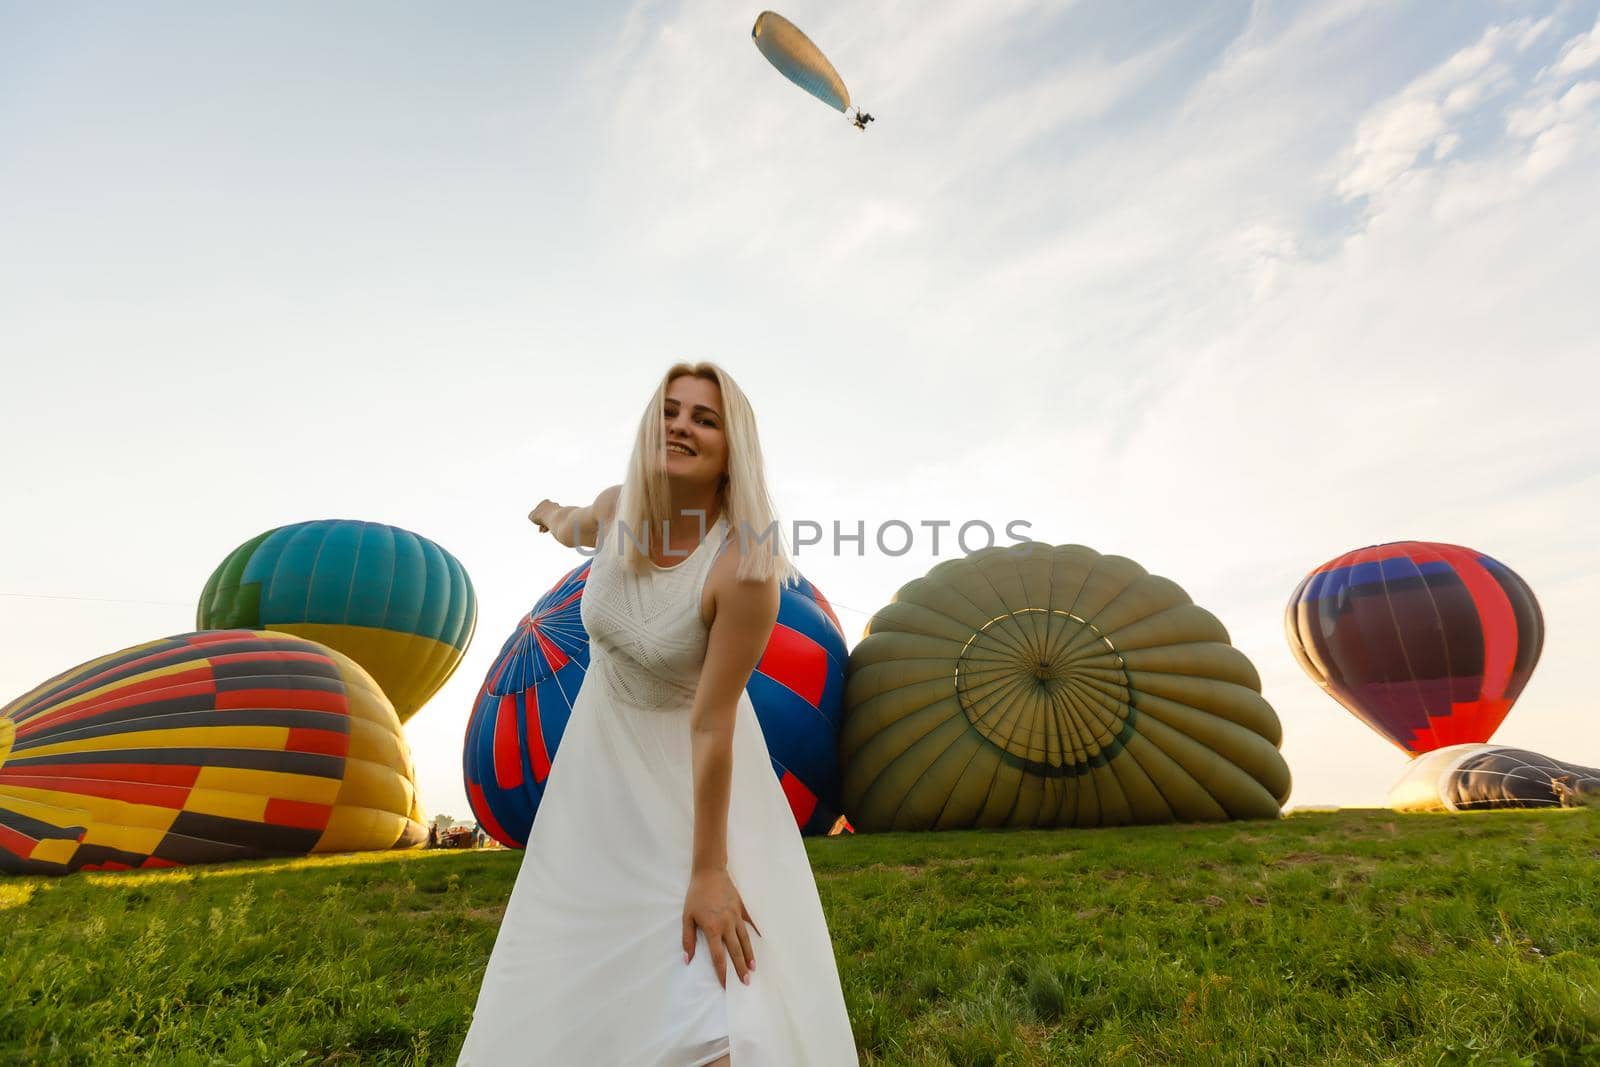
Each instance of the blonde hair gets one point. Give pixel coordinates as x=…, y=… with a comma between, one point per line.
x=646, y=500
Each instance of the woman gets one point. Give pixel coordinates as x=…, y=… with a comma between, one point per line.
x=664, y=853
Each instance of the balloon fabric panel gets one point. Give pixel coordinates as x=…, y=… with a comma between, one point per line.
x=1005, y=689
x=1476, y=777
x=396, y=602
x=197, y=748
x=523, y=707
x=1429, y=644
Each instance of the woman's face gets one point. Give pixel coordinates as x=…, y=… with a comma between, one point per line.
x=697, y=447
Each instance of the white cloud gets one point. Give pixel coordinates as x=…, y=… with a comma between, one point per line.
x=1543, y=112
x=1409, y=154
x=1534, y=33
x=1387, y=144
x=1579, y=54
x=1394, y=135
x=1577, y=100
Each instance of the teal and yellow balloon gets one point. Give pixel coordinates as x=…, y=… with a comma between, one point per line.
x=393, y=601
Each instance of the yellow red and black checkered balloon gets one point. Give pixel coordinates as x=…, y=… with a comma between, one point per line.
x=203, y=747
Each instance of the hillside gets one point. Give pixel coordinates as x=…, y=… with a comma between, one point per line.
x=1330, y=937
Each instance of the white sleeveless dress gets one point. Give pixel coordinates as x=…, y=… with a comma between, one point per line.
x=588, y=966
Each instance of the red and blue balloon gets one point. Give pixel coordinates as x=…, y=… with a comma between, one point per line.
x=527, y=696
x=1428, y=643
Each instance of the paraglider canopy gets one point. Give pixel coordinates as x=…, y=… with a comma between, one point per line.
x=803, y=63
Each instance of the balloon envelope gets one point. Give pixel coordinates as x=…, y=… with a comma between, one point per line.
x=203, y=747
x=1039, y=685
x=391, y=600
x=797, y=59
x=1427, y=643
x=522, y=709
x=1480, y=777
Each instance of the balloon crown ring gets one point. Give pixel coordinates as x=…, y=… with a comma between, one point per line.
x=1060, y=670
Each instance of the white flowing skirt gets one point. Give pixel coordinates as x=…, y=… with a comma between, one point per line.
x=588, y=966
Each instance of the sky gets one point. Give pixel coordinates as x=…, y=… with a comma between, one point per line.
x=1226, y=288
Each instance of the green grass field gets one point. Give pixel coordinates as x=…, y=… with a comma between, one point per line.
x=1343, y=937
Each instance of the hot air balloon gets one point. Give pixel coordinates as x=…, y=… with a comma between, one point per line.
x=804, y=64
x=1040, y=685
x=522, y=708
x=199, y=748
x=1480, y=777
x=391, y=600
x=1429, y=644
x=1037, y=685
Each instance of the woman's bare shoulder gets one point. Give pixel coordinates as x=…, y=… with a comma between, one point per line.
x=605, y=505
x=724, y=576
x=742, y=602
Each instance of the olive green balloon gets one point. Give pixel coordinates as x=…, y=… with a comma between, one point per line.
x=1038, y=685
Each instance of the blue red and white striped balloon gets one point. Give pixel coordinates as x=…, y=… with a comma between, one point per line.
x=798, y=693
x=521, y=711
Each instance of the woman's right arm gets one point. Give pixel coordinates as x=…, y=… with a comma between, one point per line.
x=574, y=526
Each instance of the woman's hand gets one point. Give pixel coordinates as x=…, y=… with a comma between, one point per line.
x=576, y=526
x=543, y=515
x=713, y=904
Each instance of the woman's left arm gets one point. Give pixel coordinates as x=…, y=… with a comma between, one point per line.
x=741, y=624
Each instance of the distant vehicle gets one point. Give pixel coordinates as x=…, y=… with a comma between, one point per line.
x=456, y=837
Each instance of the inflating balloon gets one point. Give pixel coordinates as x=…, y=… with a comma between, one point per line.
x=1480, y=777
x=391, y=600
x=1038, y=685
x=1429, y=644
x=803, y=63
x=203, y=747
x=521, y=710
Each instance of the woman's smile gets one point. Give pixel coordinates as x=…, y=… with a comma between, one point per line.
x=692, y=417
